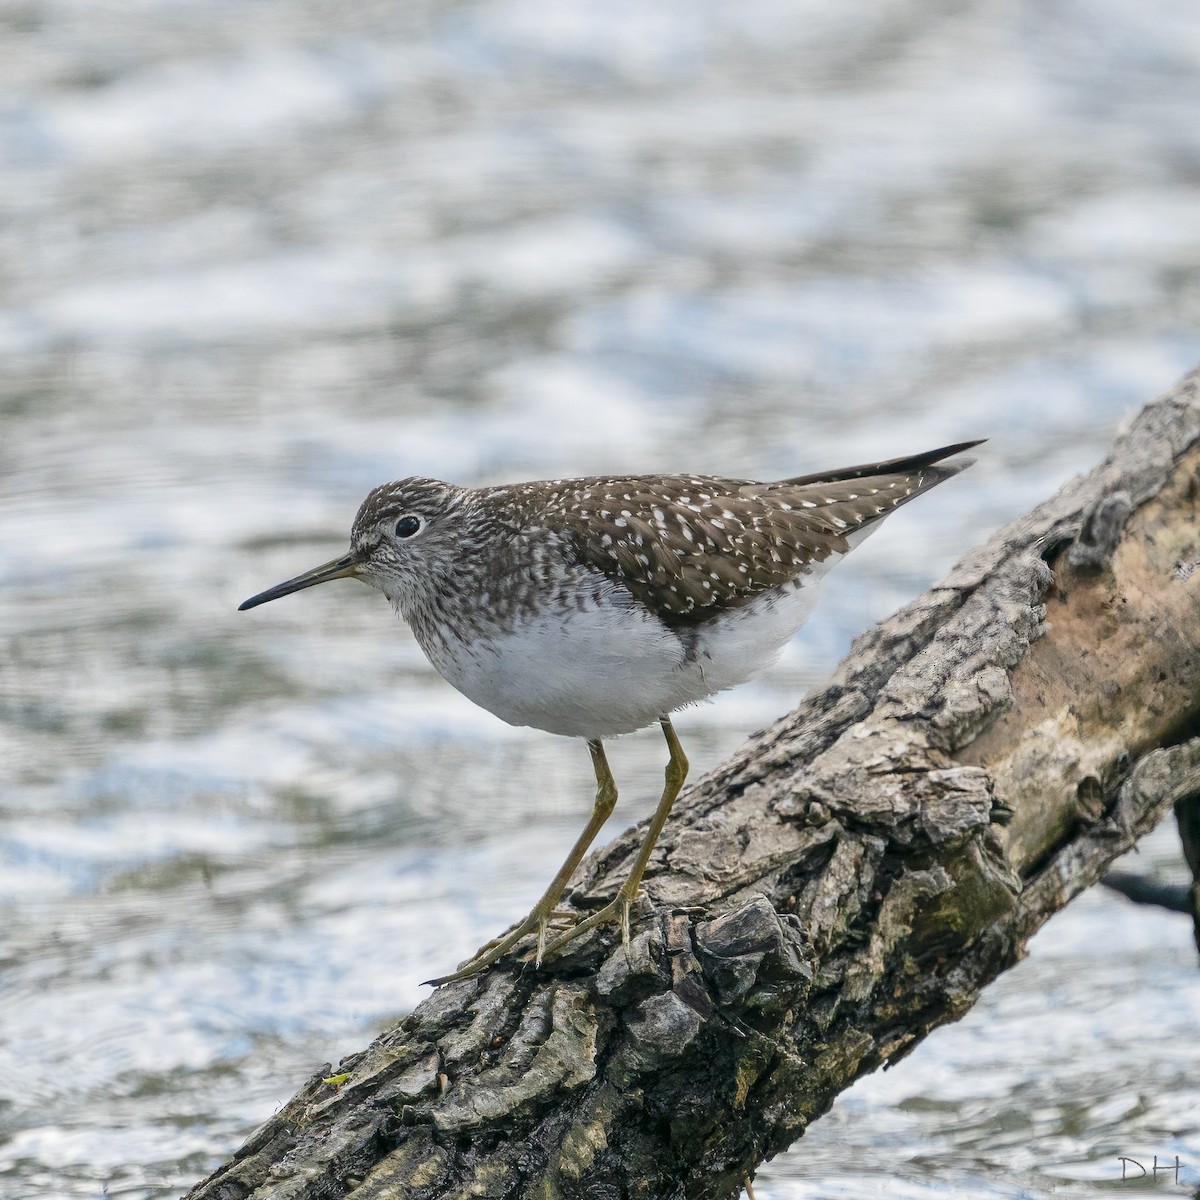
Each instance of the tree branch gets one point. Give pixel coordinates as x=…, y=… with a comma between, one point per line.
x=850, y=879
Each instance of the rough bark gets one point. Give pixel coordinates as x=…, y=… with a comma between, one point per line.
x=848, y=880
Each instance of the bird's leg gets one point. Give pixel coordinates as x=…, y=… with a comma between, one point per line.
x=543, y=910
x=618, y=909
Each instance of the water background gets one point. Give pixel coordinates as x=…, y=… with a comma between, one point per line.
x=258, y=257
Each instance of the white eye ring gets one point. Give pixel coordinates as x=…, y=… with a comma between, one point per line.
x=409, y=525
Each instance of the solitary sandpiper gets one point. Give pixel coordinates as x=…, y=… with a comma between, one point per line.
x=593, y=607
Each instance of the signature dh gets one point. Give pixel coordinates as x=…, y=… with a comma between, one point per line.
x=1132, y=1169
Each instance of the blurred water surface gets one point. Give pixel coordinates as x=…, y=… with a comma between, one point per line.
x=256, y=258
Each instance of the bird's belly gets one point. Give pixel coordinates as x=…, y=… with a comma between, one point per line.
x=743, y=642
x=612, y=669
x=595, y=673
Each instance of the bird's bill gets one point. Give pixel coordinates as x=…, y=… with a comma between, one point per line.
x=339, y=568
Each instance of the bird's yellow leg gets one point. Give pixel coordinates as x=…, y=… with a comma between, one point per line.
x=541, y=913
x=618, y=909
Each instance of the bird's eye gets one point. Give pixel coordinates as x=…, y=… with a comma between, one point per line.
x=407, y=526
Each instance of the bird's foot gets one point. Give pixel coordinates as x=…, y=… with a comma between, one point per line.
x=616, y=910
x=495, y=950
x=491, y=952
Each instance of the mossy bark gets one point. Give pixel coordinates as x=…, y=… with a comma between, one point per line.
x=849, y=880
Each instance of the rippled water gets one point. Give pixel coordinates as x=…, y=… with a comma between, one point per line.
x=257, y=258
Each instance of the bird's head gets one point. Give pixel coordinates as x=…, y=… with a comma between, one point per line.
x=402, y=532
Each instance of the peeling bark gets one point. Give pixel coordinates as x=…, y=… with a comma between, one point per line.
x=849, y=880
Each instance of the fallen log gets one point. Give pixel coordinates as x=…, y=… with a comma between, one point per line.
x=849, y=880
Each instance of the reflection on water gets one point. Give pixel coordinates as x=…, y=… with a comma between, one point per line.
x=256, y=259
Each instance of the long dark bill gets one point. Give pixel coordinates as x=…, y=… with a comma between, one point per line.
x=339, y=568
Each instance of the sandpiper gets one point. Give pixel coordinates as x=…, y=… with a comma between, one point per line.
x=593, y=607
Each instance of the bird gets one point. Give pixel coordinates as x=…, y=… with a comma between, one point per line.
x=592, y=607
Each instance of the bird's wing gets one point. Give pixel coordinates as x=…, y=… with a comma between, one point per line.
x=690, y=547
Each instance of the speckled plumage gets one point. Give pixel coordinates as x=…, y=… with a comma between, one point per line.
x=519, y=593
x=592, y=607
